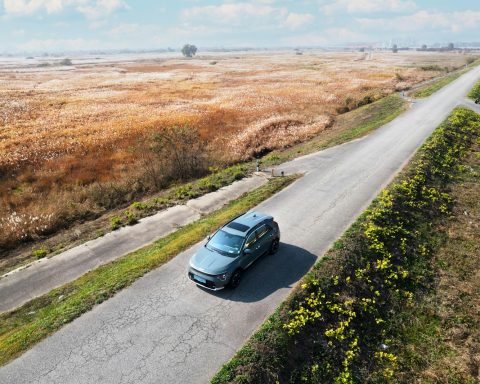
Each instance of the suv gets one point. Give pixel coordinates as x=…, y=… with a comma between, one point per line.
x=232, y=249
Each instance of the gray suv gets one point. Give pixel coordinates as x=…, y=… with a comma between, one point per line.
x=232, y=249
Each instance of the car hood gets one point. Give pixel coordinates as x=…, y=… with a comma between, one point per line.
x=210, y=262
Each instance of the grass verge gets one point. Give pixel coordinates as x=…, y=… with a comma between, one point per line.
x=348, y=126
x=336, y=326
x=434, y=86
x=474, y=93
x=22, y=328
x=438, y=341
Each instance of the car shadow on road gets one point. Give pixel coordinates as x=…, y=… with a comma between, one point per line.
x=270, y=273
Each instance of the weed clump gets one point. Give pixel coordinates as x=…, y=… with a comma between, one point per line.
x=474, y=94
x=115, y=223
x=130, y=218
x=139, y=206
x=39, y=253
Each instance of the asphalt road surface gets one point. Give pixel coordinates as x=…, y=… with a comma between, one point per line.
x=163, y=329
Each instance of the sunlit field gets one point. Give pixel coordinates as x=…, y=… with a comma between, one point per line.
x=71, y=137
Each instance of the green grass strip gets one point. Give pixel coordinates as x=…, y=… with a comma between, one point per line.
x=433, y=87
x=24, y=327
x=368, y=118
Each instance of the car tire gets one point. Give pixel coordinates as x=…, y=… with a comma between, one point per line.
x=236, y=278
x=274, y=246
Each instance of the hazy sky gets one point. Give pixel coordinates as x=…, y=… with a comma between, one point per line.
x=37, y=25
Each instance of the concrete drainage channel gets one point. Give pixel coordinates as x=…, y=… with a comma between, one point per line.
x=23, y=284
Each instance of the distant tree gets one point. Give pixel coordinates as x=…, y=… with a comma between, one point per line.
x=394, y=48
x=451, y=46
x=189, y=50
x=424, y=47
x=66, y=62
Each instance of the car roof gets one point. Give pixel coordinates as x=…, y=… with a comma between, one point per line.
x=242, y=224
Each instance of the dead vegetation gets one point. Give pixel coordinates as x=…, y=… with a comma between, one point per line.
x=76, y=143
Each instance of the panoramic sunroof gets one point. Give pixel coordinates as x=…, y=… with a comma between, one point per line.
x=238, y=226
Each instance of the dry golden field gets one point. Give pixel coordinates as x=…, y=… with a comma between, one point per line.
x=67, y=132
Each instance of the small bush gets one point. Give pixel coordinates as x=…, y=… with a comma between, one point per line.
x=183, y=191
x=365, y=100
x=173, y=153
x=470, y=60
x=130, y=218
x=139, y=206
x=432, y=67
x=39, y=253
x=474, y=94
x=237, y=172
x=272, y=158
x=161, y=201
x=110, y=195
x=207, y=185
x=115, y=223
x=66, y=62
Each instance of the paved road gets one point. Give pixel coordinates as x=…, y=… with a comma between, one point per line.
x=165, y=330
x=22, y=285
x=470, y=104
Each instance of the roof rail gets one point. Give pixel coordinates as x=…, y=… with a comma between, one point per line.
x=235, y=218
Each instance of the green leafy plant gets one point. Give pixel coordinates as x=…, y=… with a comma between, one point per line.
x=139, y=206
x=115, y=223
x=39, y=253
x=474, y=94
x=130, y=218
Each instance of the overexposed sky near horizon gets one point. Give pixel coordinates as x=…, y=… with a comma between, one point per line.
x=57, y=25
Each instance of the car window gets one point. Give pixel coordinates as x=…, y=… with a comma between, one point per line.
x=251, y=239
x=263, y=230
x=225, y=242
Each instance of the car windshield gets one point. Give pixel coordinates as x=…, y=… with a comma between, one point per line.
x=225, y=242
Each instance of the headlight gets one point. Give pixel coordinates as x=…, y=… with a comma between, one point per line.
x=222, y=277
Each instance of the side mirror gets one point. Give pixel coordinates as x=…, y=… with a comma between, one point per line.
x=247, y=251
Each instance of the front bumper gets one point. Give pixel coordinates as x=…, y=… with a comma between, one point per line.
x=206, y=281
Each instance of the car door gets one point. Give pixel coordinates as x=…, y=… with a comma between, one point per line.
x=250, y=243
x=264, y=239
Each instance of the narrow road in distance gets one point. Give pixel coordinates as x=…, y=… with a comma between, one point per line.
x=163, y=329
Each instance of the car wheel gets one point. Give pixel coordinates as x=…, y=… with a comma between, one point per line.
x=235, y=279
x=274, y=246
